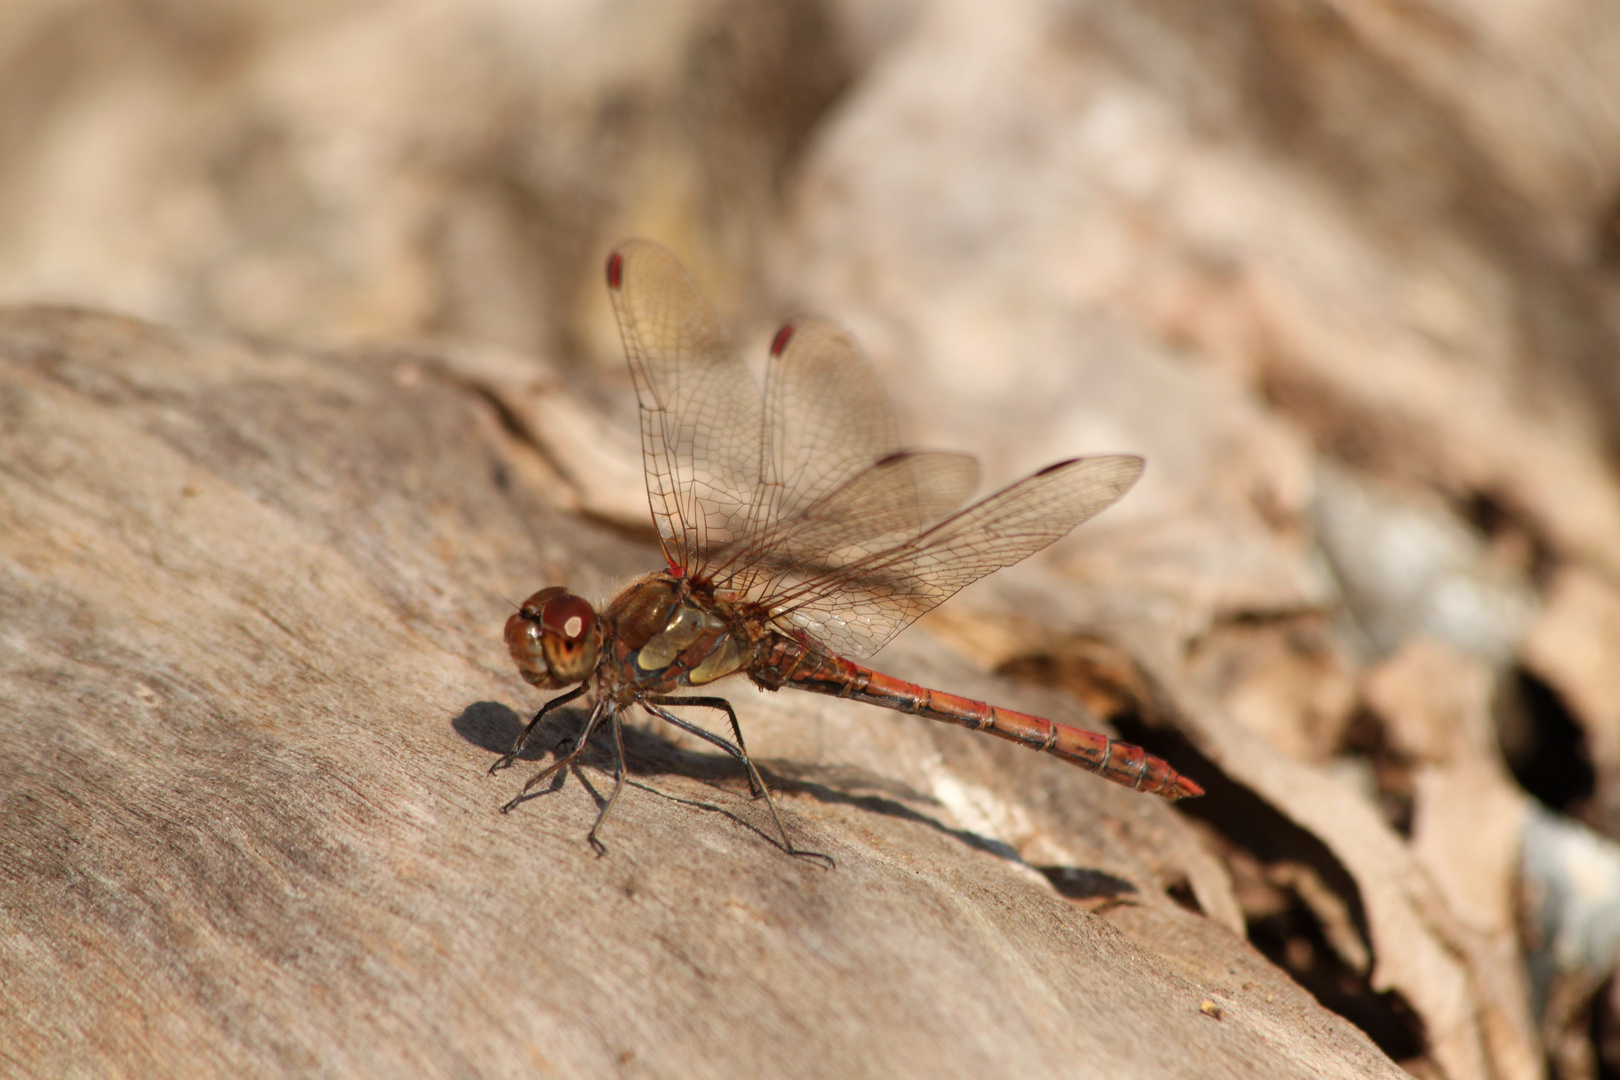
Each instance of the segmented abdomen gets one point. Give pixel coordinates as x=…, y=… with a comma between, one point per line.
x=790, y=664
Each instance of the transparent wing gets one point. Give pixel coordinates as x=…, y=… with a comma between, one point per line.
x=827, y=417
x=801, y=502
x=834, y=476
x=701, y=420
x=888, y=502
x=731, y=478
x=856, y=606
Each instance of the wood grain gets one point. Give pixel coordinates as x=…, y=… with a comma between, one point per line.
x=250, y=683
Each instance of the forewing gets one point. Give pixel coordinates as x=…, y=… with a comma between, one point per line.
x=826, y=419
x=885, y=504
x=826, y=414
x=701, y=421
x=855, y=609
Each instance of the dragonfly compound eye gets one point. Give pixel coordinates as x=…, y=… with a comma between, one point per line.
x=569, y=637
x=554, y=638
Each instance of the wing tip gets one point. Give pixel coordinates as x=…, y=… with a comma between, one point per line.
x=1128, y=466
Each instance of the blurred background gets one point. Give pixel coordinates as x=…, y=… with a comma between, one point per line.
x=1347, y=274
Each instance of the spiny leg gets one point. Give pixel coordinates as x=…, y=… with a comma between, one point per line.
x=507, y=758
x=651, y=704
x=603, y=706
x=618, y=783
x=756, y=789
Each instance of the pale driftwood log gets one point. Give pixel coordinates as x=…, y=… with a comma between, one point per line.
x=251, y=681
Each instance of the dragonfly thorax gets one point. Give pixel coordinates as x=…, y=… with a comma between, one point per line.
x=554, y=638
x=673, y=631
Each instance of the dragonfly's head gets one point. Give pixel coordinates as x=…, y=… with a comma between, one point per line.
x=554, y=638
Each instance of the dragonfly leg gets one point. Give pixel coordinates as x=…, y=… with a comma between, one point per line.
x=618, y=784
x=651, y=704
x=507, y=758
x=756, y=789
x=603, y=707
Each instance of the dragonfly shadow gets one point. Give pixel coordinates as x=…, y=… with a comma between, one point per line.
x=1078, y=883
x=495, y=727
x=841, y=785
x=490, y=726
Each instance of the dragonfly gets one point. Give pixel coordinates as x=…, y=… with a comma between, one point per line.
x=798, y=538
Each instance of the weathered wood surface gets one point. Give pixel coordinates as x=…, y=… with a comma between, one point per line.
x=1346, y=275
x=251, y=681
